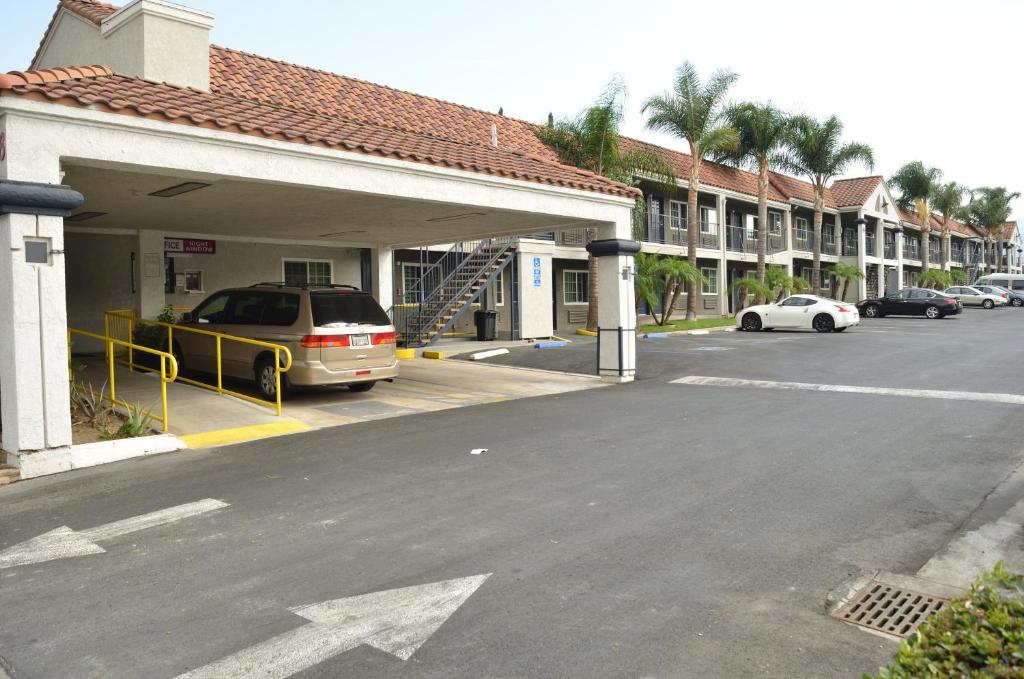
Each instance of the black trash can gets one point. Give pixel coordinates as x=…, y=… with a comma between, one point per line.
x=486, y=325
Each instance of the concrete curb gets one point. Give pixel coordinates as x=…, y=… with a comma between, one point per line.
x=103, y=452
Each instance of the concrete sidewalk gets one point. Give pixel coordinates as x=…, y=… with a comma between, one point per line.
x=204, y=418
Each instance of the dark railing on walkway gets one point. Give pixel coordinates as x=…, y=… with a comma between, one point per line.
x=740, y=239
x=911, y=249
x=869, y=245
x=803, y=240
x=667, y=230
x=849, y=244
x=890, y=251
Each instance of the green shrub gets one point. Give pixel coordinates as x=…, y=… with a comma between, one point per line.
x=981, y=635
x=138, y=423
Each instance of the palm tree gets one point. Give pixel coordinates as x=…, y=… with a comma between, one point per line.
x=990, y=209
x=782, y=284
x=749, y=285
x=917, y=185
x=958, y=276
x=934, y=278
x=677, y=274
x=591, y=141
x=763, y=130
x=816, y=150
x=846, y=273
x=948, y=199
x=648, y=283
x=694, y=110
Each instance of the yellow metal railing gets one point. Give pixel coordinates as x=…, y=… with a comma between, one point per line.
x=125, y=320
x=168, y=370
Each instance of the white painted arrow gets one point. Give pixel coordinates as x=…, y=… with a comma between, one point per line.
x=62, y=543
x=397, y=621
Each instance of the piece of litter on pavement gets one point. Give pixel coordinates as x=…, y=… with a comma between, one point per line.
x=481, y=355
x=477, y=451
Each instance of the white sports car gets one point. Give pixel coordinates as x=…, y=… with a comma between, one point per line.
x=800, y=311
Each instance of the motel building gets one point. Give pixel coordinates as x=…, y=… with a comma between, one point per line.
x=142, y=167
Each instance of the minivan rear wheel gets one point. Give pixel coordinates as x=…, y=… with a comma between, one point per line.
x=361, y=386
x=265, y=382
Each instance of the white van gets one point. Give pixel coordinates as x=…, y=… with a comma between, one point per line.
x=1011, y=281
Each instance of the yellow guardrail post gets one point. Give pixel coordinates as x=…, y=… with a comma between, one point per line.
x=110, y=368
x=163, y=391
x=131, y=342
x=220, y=380
x=277, y=379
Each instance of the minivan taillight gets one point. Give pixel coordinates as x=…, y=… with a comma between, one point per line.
x=324, y=341
x=384, y=338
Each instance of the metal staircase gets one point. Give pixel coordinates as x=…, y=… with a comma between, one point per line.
x=973, y=274
x=447, y=288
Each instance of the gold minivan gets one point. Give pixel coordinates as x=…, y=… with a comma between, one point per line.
x=337, y=334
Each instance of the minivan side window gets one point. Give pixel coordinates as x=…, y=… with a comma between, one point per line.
x=244, y=308
x=280, y=309
x=212, y=310
x=1018, y=285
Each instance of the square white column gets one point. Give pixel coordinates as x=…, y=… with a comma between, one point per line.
x=616, y=305
x=150, y=273
x=35, y=403
x=382, y=261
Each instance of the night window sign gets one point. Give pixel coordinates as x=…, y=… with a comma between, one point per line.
x=195, y=246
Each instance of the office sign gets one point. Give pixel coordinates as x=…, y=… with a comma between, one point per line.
x=198, y=246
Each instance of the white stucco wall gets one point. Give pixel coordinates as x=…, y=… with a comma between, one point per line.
x=535, y=300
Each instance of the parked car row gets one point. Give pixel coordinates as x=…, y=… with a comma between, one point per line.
x=911, y=302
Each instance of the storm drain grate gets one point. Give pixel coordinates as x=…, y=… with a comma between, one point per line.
x=890, y=609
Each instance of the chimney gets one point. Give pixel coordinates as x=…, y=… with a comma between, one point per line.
x=152, y=39
x=159, y=40
x=494, y=135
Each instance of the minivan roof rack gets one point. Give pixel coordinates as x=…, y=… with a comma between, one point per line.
x=305, y=286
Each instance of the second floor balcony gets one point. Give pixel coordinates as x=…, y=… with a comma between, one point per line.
x=668, y=230
x=889, y=252
x=803, y=240
x=741, y=239
x=911, y=249
x=869, y=245
x=849, y=244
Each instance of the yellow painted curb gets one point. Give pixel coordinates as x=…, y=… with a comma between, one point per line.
x=439, y=355
x=405, y=353
x=561, y=339
x=219, y=437
x=585, y=332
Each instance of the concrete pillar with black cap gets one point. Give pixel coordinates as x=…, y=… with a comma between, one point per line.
x=34, y=393
x=616, y=306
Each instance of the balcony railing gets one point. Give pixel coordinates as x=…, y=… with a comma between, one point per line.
x=911, y=249
x=572, y=237
x=850, y=245
x=935, y=253
x=956, y=255
x=667, y=230
x=741, y=239
x=869, y=245
x=890, y=251
x=803, y=240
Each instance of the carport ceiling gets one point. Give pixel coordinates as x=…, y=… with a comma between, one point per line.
x=229, y=207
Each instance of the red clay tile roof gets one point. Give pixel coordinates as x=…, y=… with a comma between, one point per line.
x=248, y=76
x=711, y=174
x=92, y=10
x=854, y=191
x=798, y=189
x=98, y=89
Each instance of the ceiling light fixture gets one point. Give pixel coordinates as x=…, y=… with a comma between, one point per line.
x=342, y=233
x=179, y=189
x=453, y=218
x=82, y=216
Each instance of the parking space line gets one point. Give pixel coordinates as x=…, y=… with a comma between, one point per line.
x=698, y=380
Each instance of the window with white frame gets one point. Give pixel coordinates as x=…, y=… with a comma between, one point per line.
x=308, y=272
x=575, y=289
x=710, y=284
x=801, y=224
x=775, y=223
x=497, y=289
x=410, y=283
x=708, y=218
x=678, y=215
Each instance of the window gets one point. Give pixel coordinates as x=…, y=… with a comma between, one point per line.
x=307, y=272
x=801, y=224
x=244, y=308
x=775, y=223
x=497, y=289
x=708, y=220
x=193, y=281
x=280, y=309
x=678, y=213
x=920, y=294
x=751, y=227
x=212, y=310
x=339, y=309
x=410, y=283
x=710, y=286
x=575, y=287
x=799, y=301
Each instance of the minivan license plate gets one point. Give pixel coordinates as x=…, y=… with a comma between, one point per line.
x=360, y=340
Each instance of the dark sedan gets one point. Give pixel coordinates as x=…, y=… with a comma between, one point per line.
x=1015, y=297
x=911, y=302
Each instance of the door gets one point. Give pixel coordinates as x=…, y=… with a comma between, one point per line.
x=895, y=303
x=200, y=350
x=243, y=317
x=791, y=312
x=918, y=301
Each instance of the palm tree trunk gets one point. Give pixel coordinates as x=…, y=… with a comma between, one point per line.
x=591, y=285
x=692, y=219
x=762, y=217
x=925, y=236
x=819, y=207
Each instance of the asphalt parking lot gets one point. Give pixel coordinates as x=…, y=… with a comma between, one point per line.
x=656, y=529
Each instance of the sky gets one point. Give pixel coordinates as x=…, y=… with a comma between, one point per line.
x=930, y=80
